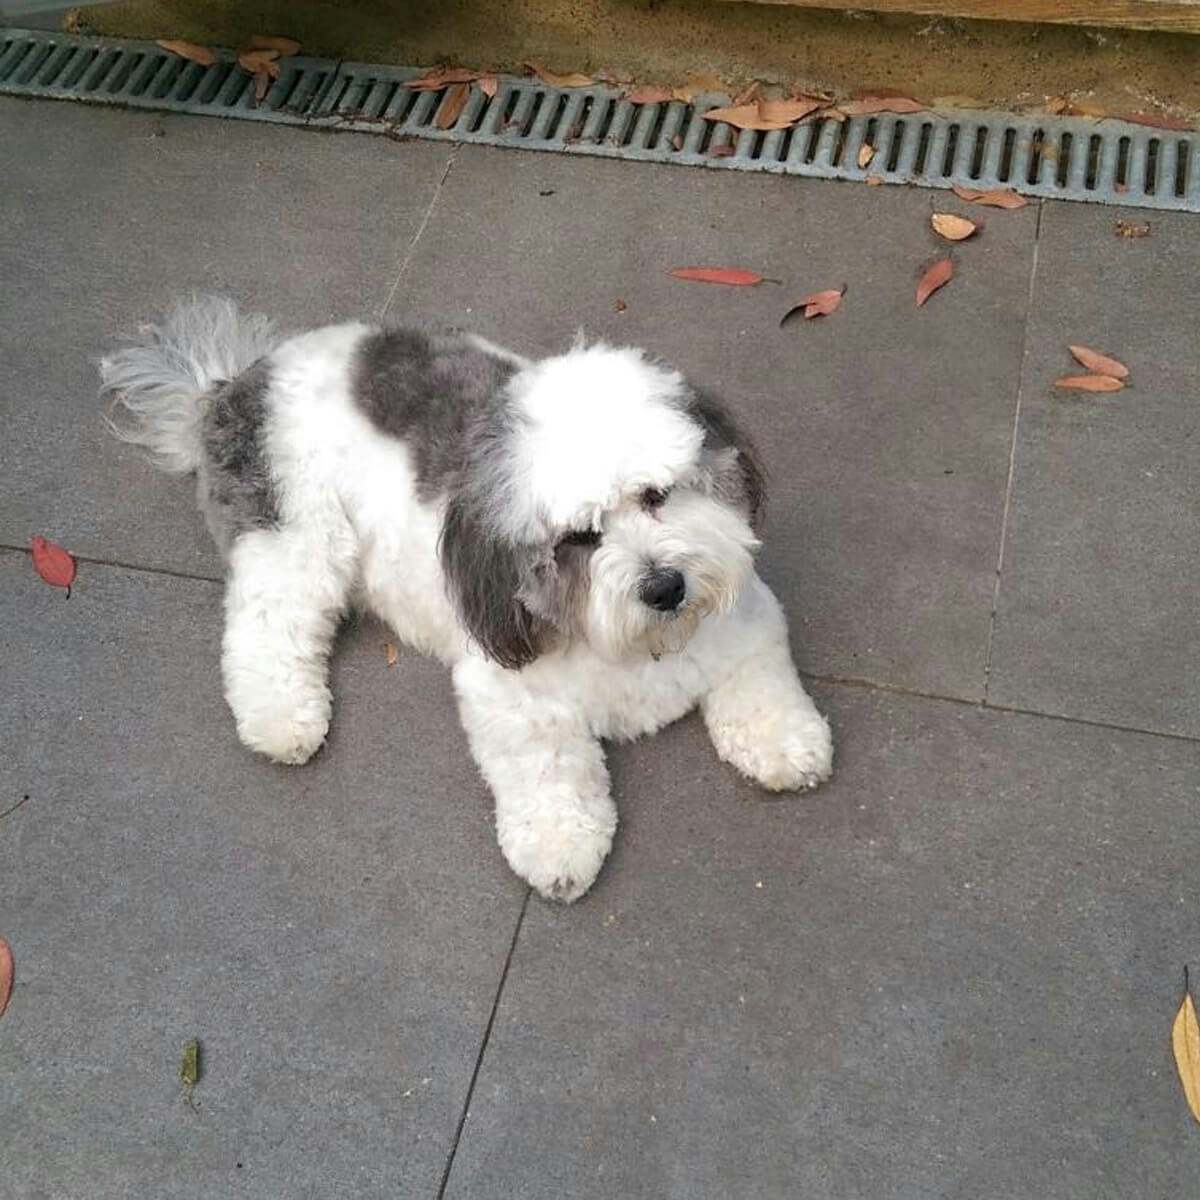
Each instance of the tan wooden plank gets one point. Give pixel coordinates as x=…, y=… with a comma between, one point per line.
x=1182, y=16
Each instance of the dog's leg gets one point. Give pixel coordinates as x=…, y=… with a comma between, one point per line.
x=759, y=717
x=555, y=818
x=284, y=596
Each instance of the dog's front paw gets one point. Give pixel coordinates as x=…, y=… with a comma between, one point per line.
x=559, y=851
x=785, y=756
x=289, y=734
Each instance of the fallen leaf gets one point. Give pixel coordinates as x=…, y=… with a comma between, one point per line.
x=489, y=85
x=831, y=114
x=700, y=85
x=189, y=1068
x=862, y=106
x=797, y=93
x=956, y=102
x=620, y=306
x=733, y=276
x=6, y=975
x=52, y=563
x=1185, y=1042
x=390, y=653
x=866, y=152
x=1120, y=187
x=936, y=275
x=439, y=77
x=1056, y=105
x=650, y=95
x=258, y=60
x=722, y=151
x=452, y=105
x=951, y=226
x=1000, y=198
x=745, y=116
x=677, y=141
x=189, y=50
x=1156, y=120
x=787, y=110
x=819, y=304
x=554, y=80
x=284, y=46
x=1081, y=108
x=748, y=94
x=1129, y=230
x=262, y=83
x=874, y=180
x=1099, y=364
x=1089, y=383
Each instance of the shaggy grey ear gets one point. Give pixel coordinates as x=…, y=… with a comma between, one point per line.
x=738, y=477
x=484, y=574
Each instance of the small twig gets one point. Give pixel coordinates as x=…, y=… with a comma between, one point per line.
x=14, y=808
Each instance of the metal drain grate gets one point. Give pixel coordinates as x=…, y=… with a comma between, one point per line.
x=1070, y=158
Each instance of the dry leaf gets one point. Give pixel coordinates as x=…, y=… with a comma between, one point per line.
x=677, y=141
x=832, y=114
x=787, y=110
x=862, y=106
x=748, y=94
x=1129, y=230
x=1120, y=187
x=650, y=95
x=956, y=102
x=874, y=180
x=725, y=150
x=936, y=275
x=489, y=85
x=951, y=226
x=390, y=653
x=565, y=81
x=258, y=60
x=452, y=105
x=437, y=78
x=620, y=306
x=1156, y=120
x=1056, y=105
x=52, y=563
x=866, y=152
x=1089, y=383
x=819, y=304
x=733, y=276
x=189, y=50
x=6, y=975
x=1099, y=364
x=262, y=84
x=701, y=85
x=1185, y=1042
x=284, y=46
x=746, y=116
x=1000, y=198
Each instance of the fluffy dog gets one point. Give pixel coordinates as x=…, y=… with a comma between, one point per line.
x=573, y=536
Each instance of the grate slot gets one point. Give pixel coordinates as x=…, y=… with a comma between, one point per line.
x=978, y=150
x=54, y=65
x=675, y=123
x=10, y=63
x=1179, y=164
x=99, y=70
x=1153, y=158
x=32, y=62
x=550, y=117
x=126, y=65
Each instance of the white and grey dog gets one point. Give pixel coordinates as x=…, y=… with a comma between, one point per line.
x=574, y=536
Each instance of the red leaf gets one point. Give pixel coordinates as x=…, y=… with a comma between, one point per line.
x=52, y=563
x=937, y=275
x=452, y=105
x=1099, y=364
x=733, y=276
x=1090, y=383
x=1157, y=120
x=6, y=974
x=819, y=304
x=284, y=46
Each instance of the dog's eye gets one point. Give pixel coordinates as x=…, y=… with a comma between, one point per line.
x=580, y=537
x=653, y=498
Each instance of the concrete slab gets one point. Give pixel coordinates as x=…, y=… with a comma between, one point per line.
x=950, y=973
x=333, y=935
x=108, y=217
x=887, y=428
x=1097, y=604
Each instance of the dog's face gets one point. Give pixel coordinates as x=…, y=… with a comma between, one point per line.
x=608, y=502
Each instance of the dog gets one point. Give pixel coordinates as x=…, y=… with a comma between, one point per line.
x=574, y=536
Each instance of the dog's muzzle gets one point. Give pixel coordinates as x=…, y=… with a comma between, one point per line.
x=662, y=589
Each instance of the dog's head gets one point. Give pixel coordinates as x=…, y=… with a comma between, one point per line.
x=603, y=500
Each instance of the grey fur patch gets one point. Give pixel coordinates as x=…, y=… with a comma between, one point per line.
x=237, y=490
x=737, y=478
x=429, y=389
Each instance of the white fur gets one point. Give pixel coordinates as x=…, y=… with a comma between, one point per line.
x=599, y=425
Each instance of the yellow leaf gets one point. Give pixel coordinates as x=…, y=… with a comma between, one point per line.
x=866, y=152
x=1185, y=1041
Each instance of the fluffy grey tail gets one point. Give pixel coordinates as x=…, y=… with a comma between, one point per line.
x=155, y=388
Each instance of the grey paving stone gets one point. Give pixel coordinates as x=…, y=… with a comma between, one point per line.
x=108, y=217
x=887, y=428
x=332, y=934
x=951, y=973
x=1097, y=606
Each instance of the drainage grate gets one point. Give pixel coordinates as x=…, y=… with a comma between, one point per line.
x=1072, y=158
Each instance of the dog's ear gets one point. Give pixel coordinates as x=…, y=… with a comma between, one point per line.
x=737, y=471
x=484, y=574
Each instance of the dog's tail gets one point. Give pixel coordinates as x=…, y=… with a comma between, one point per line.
x=155, y=388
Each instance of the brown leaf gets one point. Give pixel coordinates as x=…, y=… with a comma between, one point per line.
x=1081, y=108
x=189, y=50
x=1129, y=230
x=1120, y=187
x=733, y=276
x=284, y=46
x=1156, y=120
x=262, y=84
x=1185, y=1043
x=620, y=306
x=1000, y=198
x=832, y=114
x=748, y=94
x=650, y=94
x=452, y=105
x=862, y=106
x=936, y=275
x=745, y=116
x=6, y=974
x=554, y=80
x=956, y=102
x=951, y=226
x=677, y=141
x=390, y=653
x=439, y=77
x=819, y=304
x=787, y=110
x=1056, y=105
x=258, y=60
x=52, y=563
x=1089, y=383
x=866, y=152
x=725, y=150
x=874, y=180
x=1099, y=364
x=489, y=85
x=701, y=85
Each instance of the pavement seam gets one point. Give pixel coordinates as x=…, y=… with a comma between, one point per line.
x=412, y=245
x=483, y=1045
x=1012, y=454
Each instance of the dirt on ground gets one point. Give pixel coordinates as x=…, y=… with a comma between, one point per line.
x=999, y=64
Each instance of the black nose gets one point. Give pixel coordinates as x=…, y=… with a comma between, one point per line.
x=662, y=588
